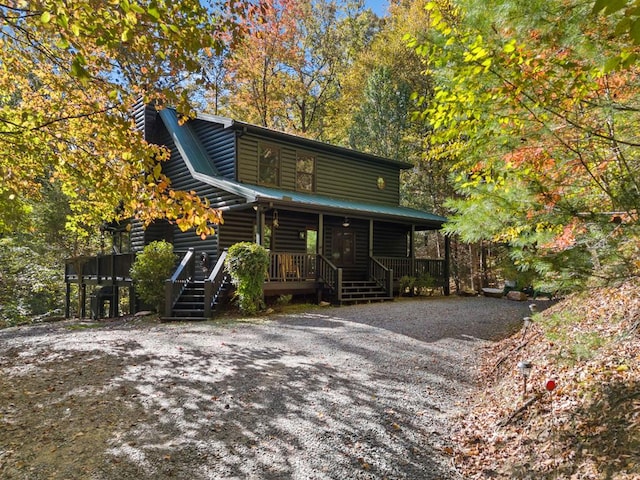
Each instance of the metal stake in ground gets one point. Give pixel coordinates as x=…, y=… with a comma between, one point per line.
x=524, y=367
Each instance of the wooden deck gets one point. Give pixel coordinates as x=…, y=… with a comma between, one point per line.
x=289, y=273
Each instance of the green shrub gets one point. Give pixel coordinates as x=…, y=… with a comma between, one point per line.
x=425, y=281
x=247, y=264
x=407, y=285
x=150, y=270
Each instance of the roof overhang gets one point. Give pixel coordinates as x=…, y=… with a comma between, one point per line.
x=307, y=142
x=269, y=197
x=272, y=198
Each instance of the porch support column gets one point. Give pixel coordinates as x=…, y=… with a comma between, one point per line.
x=67, y=300
x=132, y=300
x=371, y=238
x=320, y=240
x=447, y=259
x=114, y=309
x=412, y=250
x=319, y=251
x=260, y=219
x=83, y=299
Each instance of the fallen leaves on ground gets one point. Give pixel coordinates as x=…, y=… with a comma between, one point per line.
x=588, y=426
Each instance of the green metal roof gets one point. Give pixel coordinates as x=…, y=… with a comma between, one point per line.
x=201, y=168
x=187, y=143
x=343, y=207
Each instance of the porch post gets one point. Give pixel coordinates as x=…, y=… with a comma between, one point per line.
x=371, y=238
x=114, y=303
x=447, y=259
x=132, y=300
x=320, y=239
x=67, y=300
x=412, y=250
x=83, y=299
x=259, y=226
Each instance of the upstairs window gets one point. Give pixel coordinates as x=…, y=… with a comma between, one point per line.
x=269, y=165
x=306, y=173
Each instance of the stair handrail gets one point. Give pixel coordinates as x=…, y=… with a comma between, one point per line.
x=175, y=285
x=213, y=284
x=382, y=275
x=330, y=275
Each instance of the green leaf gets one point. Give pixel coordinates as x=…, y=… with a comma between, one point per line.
x=622, y=26
x=62, y=20
x=634, y=31
x=78, y=70
x=63, y=43
x=611, y=64
x=127, y=35
x=599, y=5
x=45, y=17
x=137, y=8
x=153, y=11
x=614, y=5
x=630, y=60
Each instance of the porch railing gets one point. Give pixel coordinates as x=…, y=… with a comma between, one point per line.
x=286, y=266
x=382, y=275
x=408, y=267
x=436, y=269
x=99, y=269
x=330, y=275
x=175, y=285
x=213, y=284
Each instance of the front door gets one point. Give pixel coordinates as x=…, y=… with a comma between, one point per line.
x=344, y=248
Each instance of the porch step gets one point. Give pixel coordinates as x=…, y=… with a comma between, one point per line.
x=363, y=291
x=190, y=305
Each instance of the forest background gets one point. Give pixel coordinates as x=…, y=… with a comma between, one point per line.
x=520, y=121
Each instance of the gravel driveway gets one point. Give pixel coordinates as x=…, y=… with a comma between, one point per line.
x=360, y=392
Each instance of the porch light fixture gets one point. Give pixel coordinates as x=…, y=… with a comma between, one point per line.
x=276, y=222
x=345, y=222
x=302, y=234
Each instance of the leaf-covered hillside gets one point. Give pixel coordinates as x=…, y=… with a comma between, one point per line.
x=589, y=426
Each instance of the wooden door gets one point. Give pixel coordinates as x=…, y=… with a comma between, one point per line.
x=343, y=248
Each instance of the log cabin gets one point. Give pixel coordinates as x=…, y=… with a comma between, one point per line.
x=330, y=217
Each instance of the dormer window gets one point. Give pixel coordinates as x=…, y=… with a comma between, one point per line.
x=269, y=165
x=305, y=173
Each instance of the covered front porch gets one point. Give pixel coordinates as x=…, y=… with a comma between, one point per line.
x=331, y=250
x=291, y=273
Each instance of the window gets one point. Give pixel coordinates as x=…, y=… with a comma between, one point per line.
x=306, y=173
x=269, y=165
x=312, y=240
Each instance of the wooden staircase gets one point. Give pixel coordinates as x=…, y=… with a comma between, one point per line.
x=361, y=291
x=193, y=297
x=190, y=304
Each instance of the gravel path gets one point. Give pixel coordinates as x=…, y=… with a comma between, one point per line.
x=360, y=392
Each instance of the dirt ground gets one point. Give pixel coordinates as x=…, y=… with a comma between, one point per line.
x=367, y=391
